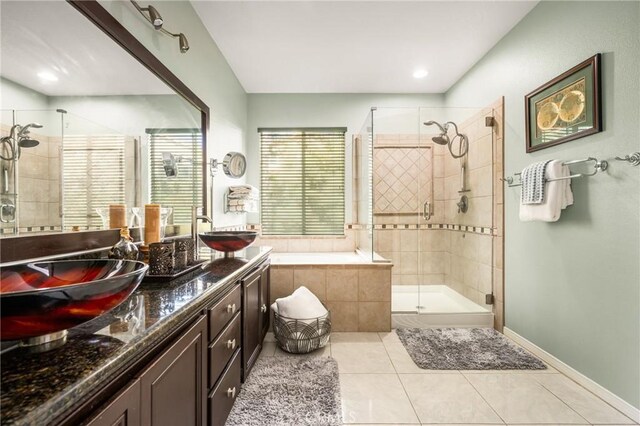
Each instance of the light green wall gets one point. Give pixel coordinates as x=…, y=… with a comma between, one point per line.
x=205, y=71
x=573, y=287
x=320, y=110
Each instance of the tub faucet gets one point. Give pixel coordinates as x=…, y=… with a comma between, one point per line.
x=195, y=217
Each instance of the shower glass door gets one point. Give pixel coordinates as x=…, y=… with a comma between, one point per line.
x=400, y=190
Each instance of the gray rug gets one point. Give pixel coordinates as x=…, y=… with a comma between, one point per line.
x=465, y=349
x=285, y=391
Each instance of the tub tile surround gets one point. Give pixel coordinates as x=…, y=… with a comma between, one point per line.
x=380, y=384
x=358, y=295
x=463, y=251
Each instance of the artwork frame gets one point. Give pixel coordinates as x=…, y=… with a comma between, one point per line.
x=565, y=108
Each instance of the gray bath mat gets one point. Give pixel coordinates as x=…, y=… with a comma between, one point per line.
x=465, y=349
x=285, y=391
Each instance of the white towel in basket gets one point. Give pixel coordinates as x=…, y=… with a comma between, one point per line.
x=301, y=305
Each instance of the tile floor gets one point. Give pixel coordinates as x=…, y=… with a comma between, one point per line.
x=380, y=384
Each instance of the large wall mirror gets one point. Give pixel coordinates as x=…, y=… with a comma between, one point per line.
x=84, y=123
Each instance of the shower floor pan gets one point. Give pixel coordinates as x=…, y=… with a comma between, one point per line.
x=427, y=306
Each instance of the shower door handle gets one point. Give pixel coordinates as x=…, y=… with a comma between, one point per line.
x=426, y=210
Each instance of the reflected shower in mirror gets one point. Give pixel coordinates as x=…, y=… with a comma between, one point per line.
x=81, y=131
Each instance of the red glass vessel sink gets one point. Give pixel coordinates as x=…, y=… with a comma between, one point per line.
x=228, y=241
x=41, y=298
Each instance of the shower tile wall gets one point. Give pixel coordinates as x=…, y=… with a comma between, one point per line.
x=471, y=254
x=39, y=183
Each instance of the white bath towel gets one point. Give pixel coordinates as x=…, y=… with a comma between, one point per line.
x=533, y=187
x=302, y=304
x=557, y=197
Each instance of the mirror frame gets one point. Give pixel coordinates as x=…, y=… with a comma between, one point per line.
x=97, y=14
x=18, y=248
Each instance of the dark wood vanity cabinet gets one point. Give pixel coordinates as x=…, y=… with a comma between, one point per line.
x=255, y=315
x=265, y=289
x=196, y=379
x=123, y=410
x=251, y=314
x=173, y=388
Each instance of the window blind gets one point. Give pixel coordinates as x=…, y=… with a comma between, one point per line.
x=184, y=190
x=93, y=177
x=302, y=181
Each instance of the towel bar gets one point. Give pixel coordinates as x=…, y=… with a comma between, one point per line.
x=598, y=166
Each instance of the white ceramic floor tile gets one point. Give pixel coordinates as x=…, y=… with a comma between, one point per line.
x=581, y=400
x=401, y=359
x=354, y=337
x=519, y=398
x=362, y=358
x=325, y=351
x=375, y=398
x=447, y=398
x=268, y=349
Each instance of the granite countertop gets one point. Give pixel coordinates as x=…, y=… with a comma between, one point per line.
x=40, y=388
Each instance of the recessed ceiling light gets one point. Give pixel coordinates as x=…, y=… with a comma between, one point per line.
x=421, y=73
x=47, y=76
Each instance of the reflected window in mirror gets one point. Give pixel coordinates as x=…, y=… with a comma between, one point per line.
x=181, y=190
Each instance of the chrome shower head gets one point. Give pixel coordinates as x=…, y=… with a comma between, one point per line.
x=170, y=164
x=28, y=143
x=443, y=139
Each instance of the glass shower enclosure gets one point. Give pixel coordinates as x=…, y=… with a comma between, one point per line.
x=424, y=200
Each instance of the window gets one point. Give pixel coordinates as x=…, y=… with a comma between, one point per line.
x=93, y=177
x=185, y=190
x=302, y=183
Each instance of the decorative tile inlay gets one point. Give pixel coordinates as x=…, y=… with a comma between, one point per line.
x=396, y=178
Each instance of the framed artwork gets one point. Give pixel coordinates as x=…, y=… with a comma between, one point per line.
x=566, y=108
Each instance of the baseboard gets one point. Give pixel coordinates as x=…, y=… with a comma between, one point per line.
x=606, y=395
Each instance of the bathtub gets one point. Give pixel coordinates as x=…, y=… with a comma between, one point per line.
x=330, y=258
x=425, y=306
x=354, y=288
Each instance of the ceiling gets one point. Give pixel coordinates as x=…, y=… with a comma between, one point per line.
x=355, y=46
x=51, y=36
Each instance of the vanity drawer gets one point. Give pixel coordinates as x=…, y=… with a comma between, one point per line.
x=221, y=350
x=222, y=312
x=221, y=399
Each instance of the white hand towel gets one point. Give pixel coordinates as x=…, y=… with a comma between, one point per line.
x=301, y=305
x=558, y=196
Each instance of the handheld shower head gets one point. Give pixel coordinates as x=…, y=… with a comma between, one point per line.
x=24, y=130
x=431, y=123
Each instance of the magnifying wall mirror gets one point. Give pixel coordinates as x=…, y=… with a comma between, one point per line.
x=234, y=165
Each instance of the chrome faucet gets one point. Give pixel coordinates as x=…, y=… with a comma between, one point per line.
x=195, y=217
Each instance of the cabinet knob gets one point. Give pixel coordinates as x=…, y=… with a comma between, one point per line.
x=231, y=344
x=231, y=308
x=263, y=308
x=231, y=392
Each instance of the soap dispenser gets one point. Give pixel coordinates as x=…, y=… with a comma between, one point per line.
x=124, y=249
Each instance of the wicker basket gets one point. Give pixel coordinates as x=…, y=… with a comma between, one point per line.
x=301, y=336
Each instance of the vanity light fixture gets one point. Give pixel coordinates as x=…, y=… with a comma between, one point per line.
x=420, y=73
x=156, y=20
x=154, y=16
